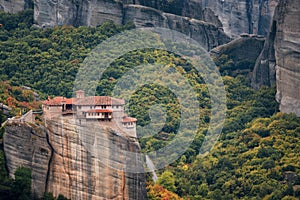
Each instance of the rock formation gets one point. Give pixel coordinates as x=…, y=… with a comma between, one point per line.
x=287, y=54
x=27, y=146
x=282, y=54
x=235, y=16
x=188, y=19
x=64, y=162
x=14, y=6
x=207, y=34
x=241, y=52
x=243, y=16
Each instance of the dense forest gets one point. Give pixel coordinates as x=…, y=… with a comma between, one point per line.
x=257, y=155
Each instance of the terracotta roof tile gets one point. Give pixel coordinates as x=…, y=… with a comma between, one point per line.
x=54, y=101
x=91, y=100
x=129, y=119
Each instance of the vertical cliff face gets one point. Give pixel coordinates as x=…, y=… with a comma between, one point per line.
x=207, y=34
x=76, y=13
x=243, y=16
x=27, y=146
x=264, y=72
x=78, y=162
x=14, y=6
x=287, y=54
x=89, y=162
x=183, y=16
x=281, y=57
x=234, y=16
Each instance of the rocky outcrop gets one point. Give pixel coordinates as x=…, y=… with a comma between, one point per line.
x=76, y=13
x=89, y=162
x=234, y=16
x=243, y=16
x=207, y=34
x=80, y=162
x=14, y=6
x=282, y=54
x=26, y=145
x=240, y=55
x=264, y=69
x=183, y=16
x=287, y=54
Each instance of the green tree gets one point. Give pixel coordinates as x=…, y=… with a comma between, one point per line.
x=22, y=184
x=167, y=180
x=48, y=196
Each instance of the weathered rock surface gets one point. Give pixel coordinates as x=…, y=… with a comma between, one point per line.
x=243, y=16
x=241, y=52
x=234, y=16
x=14, y=6
x=76, y=13
x=27, y=146
x=264, y=69
x=207, y=34
x=183, y=16
x=287, y=53
x=88, y=162
x=282, y=54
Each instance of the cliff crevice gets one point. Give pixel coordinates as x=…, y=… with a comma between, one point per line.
x=279, y=61
x=78, y=162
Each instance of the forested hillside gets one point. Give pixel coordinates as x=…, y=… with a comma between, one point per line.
x=256, y=157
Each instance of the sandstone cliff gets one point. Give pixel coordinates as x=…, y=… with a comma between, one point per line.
x=281, y=54
x=14, y=6
x=235, y=16
x=185, y=16
x=243, y=16
x=64, y=162
x=25, y=145
x=207, y=34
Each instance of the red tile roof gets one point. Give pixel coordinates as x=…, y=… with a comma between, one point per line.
x=69, y=101
x=129, y=119
x=94, y=100
x=99, y=111
x=91, y=100
x=53, y=102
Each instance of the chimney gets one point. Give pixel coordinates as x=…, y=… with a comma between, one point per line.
x=49, y=98
x=79, y=94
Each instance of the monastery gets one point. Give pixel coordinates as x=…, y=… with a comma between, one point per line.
x=105, y=110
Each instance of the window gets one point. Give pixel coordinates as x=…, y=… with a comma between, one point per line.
x=79, y=107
